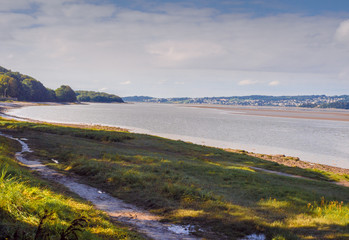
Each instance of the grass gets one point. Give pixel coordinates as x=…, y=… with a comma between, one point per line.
x=187, y=183
x=31, y=209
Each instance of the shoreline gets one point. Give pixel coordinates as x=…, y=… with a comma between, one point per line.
x=278, y=158
x=5, y=108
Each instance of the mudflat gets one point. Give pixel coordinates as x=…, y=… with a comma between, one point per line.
x=286, y=112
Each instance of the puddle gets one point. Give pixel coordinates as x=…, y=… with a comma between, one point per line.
x=186, y=230
x=143, y=221
x=254, y=237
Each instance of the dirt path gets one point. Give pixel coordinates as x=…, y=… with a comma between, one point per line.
x=144, y=222
x=341, y=183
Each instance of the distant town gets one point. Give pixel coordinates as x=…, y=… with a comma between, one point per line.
x=310, y=101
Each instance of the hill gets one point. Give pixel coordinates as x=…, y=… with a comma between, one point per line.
x=310, y=101
x=17, y=86
x=91, y=96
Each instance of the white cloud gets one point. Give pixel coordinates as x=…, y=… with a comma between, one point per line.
x=247, y=82
x=125, y=83
x=7, y=5
x=274, y=83
x=184, y=50
x=342, y=32
x=102, y=89
x=83, y=44
x=179, y=83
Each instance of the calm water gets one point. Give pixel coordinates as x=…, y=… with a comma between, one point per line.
x=320, y=141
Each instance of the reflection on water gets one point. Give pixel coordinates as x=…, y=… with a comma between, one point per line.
x=320, y=141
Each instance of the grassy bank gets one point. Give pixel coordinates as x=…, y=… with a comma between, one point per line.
x=31, y=209
x=186, y=183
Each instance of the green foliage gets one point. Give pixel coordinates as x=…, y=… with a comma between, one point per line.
x=91, y=96
x=34, y=91
x=7, y=86
x=344, y=104
x=3, y=70
x=65, y=94
x=339, y=104
x=25, y=88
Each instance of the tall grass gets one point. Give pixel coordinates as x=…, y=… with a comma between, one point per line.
x=29, y=209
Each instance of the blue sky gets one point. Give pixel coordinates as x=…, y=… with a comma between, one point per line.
x=180, y=48
x=255, y=7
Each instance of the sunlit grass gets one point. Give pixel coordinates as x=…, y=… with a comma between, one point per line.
x=24, y=198
x=187, y=183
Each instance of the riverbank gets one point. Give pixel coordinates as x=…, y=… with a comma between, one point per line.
x=221, y=194
x=6, y=106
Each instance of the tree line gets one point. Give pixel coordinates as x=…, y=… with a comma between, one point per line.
x=14, y=85
x=338, y=104
x=91, y=96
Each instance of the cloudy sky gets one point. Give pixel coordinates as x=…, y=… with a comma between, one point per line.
x=180, y=48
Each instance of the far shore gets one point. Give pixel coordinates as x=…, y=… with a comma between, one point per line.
x=281, y=159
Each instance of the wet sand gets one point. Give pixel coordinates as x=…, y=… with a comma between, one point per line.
x=290, y=112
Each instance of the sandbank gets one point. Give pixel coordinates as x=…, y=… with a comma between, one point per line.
x=285, y=112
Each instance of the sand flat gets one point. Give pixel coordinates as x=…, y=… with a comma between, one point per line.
x=286, y=112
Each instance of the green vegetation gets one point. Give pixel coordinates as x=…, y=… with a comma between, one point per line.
x=91, y=96
x=338, y=104
x=14, y=85
x=31, y=208
x=65, y=94
x=186, y=183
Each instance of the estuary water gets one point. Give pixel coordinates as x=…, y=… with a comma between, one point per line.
x=313, y=140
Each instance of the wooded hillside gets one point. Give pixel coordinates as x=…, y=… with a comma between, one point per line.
x=14, y=85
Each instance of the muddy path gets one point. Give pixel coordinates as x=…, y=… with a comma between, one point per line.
x=143, y=221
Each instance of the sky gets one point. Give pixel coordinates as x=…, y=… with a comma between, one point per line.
x=192, y=48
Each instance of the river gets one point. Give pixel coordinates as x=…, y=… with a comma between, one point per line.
x=314, y=140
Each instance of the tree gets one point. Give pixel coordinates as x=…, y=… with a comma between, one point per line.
x=14, y=87
x=4, y=85
x=51, y=95
x=91, y=96
x=33, y=90
x=65, y=94
x=3, y=70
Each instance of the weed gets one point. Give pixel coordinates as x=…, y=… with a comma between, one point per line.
x=76, y=226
